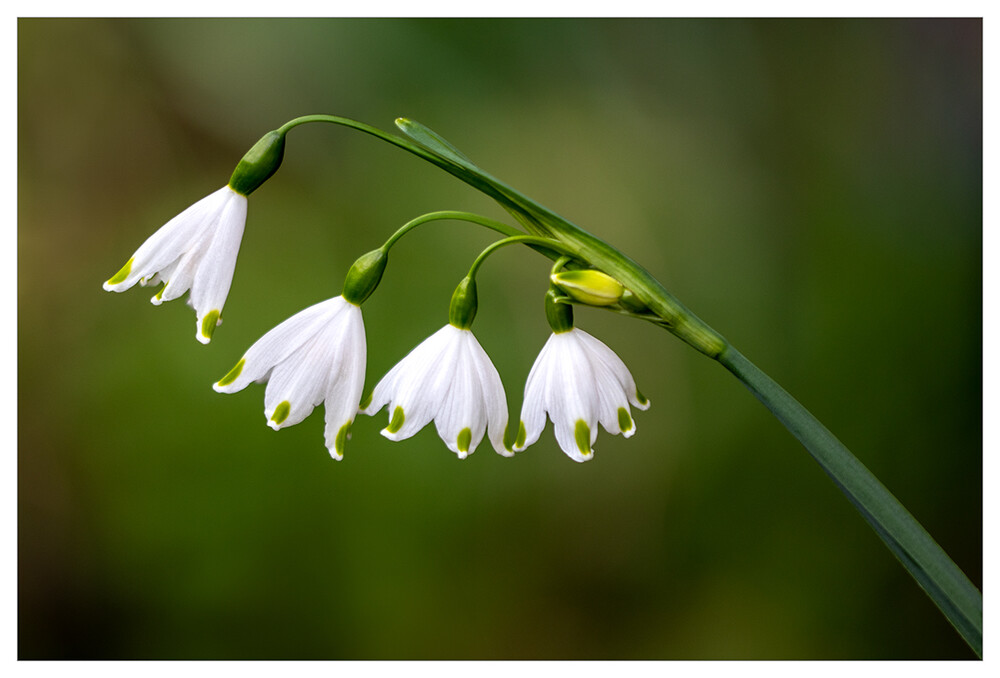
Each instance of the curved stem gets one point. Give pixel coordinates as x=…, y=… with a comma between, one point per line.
x=497, y=226
x=546, y=243
x=559, y=263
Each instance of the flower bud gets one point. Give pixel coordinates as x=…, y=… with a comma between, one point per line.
x=259, y=163
x=589, y=287
x=464, y=304
x=364, y=276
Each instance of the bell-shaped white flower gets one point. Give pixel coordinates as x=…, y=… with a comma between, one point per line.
x=450, y=379
x=578, y=382
x=195, y=250
x=316, y=356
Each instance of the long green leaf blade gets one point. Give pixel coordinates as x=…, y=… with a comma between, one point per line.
x=935, y=572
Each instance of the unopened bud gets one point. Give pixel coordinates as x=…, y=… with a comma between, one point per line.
x=589, y=287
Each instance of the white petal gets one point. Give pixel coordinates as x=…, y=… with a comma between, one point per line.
x=423, y=387
x=417, y=384
x=425, y=353
x=600, y=351
x=461, y=406
x=296, y=385
x=345, y=383
x=573, y=397
x=280, y=342
x=303, y=380
x=536, y=395
x=494, y=399
x=172, y=240
x=214, y=274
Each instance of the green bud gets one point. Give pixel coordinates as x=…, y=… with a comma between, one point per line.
x=364, y=276
x=589, y=287
x=559, y=314
x=464, y=304
x=259, y=163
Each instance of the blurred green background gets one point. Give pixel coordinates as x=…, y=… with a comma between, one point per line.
x=812, y=189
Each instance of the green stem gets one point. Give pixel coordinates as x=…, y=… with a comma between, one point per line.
x=497, y=226
x=937, y=574
x=559, y=263
x=539, y=242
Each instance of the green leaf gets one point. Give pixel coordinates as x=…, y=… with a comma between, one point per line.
x=946, y=584
x=432, y=140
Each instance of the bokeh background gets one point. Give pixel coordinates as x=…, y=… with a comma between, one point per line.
x=811, y=188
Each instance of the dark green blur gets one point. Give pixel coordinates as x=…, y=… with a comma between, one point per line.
x=812, y=189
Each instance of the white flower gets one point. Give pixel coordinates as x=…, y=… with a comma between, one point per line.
x=316, y=356
x=450, y=379
x=195, y=250
x=578, y=382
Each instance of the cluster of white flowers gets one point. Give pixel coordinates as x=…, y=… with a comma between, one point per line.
x=319, y=354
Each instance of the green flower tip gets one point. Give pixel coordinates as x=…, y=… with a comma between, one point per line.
x=365, y=402
x=232, y=374
x=464, y=439
x=624, y=420
x=521, y=435
x=340, y=443
x=259, y=163
x=397, y=420
x=208, y=325
x=281, y=413
x=582, y=435
x=121, y=275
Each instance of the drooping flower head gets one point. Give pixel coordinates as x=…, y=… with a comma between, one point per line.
x=197, y=249
x=316, y=356
x=578, y=382
x=449, y=379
